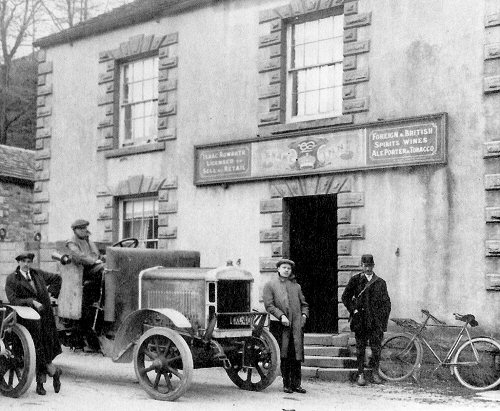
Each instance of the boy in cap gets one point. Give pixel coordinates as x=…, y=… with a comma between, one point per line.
x=283, y=299
x=31, y=287
x=367, y=300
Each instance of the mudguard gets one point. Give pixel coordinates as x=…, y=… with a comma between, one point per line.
x=131, y=329
x=27, y=313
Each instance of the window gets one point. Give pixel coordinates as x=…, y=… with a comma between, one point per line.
x=139, y=219
x=314, y=68
x=139, y=101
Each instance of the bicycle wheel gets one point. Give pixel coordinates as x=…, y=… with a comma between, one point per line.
x=399, y=357
x=482, y=373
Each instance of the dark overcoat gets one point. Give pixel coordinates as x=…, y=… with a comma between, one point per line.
x=374, y=303
x=284, y=297
x=20, y=292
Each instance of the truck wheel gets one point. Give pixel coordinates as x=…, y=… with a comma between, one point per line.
x=264, y=362
x=17, y=361
x=163, y=364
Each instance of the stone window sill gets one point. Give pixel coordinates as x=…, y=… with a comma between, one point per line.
x=132, y=150
x=305, y=125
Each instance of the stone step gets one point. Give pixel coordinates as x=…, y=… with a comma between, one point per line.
x=330, y=374
x=326, y=351
x=329, y=362
x=335, y=340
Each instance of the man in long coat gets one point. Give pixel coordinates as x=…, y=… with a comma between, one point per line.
x=283, y=299
x=367, y=300
x=31, y=287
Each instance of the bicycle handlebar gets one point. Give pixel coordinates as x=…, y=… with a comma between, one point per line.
x=427, y=313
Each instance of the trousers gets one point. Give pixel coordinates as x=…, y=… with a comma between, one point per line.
x=363, y=339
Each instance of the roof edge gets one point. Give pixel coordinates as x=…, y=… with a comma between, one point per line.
x=96, y=26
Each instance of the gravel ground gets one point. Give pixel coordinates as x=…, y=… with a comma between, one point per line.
x=92, y=382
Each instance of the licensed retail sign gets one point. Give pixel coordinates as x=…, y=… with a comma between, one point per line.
x=406, y=142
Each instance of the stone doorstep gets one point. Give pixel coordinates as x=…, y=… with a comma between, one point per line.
x=335, y=340
x=330, y=374
x=326, y=351
x=329, y=362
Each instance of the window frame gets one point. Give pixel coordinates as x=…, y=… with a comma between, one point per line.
x=119, y=119
x=287, y=89
x=156, y=215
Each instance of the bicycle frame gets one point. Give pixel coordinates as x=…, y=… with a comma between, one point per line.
x=446, y=362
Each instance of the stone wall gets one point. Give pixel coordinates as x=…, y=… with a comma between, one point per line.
x=16, y=211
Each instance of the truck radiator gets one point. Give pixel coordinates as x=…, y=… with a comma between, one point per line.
x=187, y=302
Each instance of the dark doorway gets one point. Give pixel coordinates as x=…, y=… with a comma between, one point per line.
x=310, y=239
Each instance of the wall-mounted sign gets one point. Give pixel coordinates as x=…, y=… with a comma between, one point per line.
x=415, y=141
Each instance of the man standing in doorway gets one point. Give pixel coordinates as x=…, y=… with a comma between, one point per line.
x=367, y=300
x=283, y=299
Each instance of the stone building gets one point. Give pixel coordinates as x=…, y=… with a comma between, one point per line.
x=17, y=176
x=313, y=129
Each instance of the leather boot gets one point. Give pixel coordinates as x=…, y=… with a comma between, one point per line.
x=361, y=380
x=57, y=380
x=39, y=389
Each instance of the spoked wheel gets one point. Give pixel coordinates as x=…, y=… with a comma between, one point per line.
x=399, y=357
x=482, y=372
x=17, y=361
x=264, y=360
x=163, y=364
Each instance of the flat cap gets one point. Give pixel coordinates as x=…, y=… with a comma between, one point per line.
x=24, y=255
x=79, y=224
x=285, y=261
x=367, y=259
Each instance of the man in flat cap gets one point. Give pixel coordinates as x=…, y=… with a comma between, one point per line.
x=31, y=287
x=84, y=252
x=284, y=300
x=367, y=300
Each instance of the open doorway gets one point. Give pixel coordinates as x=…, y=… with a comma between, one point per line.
x=310, y=239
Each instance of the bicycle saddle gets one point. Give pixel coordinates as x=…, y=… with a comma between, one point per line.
x=468, y=318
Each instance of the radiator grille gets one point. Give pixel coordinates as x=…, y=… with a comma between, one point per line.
x=187, y=302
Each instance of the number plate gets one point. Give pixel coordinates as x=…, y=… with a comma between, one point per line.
x=240, y=320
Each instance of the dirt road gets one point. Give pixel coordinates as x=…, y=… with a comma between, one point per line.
x=92, y=382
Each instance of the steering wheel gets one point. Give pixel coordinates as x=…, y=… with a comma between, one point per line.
x=127, y=242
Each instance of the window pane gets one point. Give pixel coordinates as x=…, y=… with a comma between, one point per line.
x=148, y=90
x=298, y=33
x=326, y=100
x=140, y=220
x=139, y=128
x=301, y=80
x=312, y=79
x=148, y=208
x=326, y=28
x=339, y=74
x=150, y=126
x=337, y=99
x=136, y=92
x=299, y=57
x=311, y=31
x=137, y=66
x=338, y=26
x=301, y=104
x=312, y=102
x=326, y=76
x=325, y=51
x=338, y=49
x=311, y=54
x=137, y=111
x=148, y=69
x=127, y=122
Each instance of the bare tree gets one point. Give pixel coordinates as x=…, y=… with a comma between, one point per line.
x=16, y=17
x=68, y=13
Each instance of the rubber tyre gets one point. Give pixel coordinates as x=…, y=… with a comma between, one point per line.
x=399, y=357
x=485, y=375
x=20, y=368
x=266, y=361
x=162, y=352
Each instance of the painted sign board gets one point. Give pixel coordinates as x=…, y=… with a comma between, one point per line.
x=414, y=141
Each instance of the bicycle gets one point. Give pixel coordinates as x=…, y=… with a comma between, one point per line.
x=475, y=363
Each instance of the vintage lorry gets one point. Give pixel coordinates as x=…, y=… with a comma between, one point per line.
x=171, y=316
